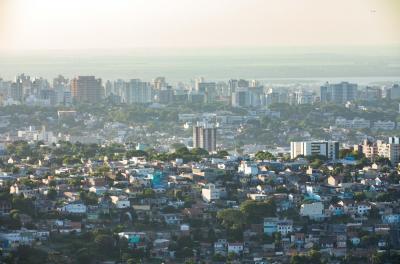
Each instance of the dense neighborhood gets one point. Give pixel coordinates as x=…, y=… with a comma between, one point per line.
x=212, y=176
x=79, y=203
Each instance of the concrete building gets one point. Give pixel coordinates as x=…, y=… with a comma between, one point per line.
x=338, y=93
x=390, y=150
x=73, y=208
x=329, y=149
x=165, y=95
x=138, y=92
x=394, y=92
x=210, y=193
x=275, y=225
x=384, y=125
x=314, y=211
x=241, y=97
x=205, y=136
x=87, y=89
x=369, y=149
x=16, y=91
x=302, y=97
x=274, y=96
x=209, y=89
x=372, y=93
x=356, y=123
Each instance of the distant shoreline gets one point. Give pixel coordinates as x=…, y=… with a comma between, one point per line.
x=365, y=65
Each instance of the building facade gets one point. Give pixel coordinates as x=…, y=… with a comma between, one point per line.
x=87, y=89
x=338, y=93
x=205, y=136
x=329, y=149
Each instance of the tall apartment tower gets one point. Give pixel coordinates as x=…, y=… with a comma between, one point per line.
x=209, y=89
x=205, y=136
x=16, y=91
x=138, y=92
x=338, y=93
x=87, y=89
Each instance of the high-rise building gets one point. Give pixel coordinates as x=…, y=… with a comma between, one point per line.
x=232, y=85
x=301, y=97
x=254, y=83
x=241, y=97
x=338, y=93
x=39, y=84
x=195, y=98
x=119, y=89
x=48, y=95
x=108, y=89
x=24, y=83
x=138, y=92
x=278, y=95
x=87, y=89
x=160, y=83
x=4, y=88
x=329, y=149
x=209, y=89
x=394, y=92
x=243, y=83
x=62, y=90
x=165, y=95
x=372, y=93
x=16, y=91
x=205, y=136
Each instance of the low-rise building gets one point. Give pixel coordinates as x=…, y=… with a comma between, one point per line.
x=210, y=193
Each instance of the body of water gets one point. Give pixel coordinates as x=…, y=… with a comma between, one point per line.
x=362, y=65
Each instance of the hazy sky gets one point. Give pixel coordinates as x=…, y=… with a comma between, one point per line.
x=113, y=24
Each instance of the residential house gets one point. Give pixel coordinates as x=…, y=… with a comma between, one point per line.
x=121, y=202
x=236, y=248
x=73, y=208
x=314, y=211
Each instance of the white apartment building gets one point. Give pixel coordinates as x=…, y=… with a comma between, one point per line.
x=360, y=123
x=284, y=227
x=384, y=125
x=329, y=149
x=120, y=202
x=302, y=97
x=73, y=208
x=356, y=123
x=248, y=168
x=236, y=248
x=210, y=193
x=363, y=208
x=313, y=211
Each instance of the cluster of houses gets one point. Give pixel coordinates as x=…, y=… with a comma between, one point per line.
x=323, y=209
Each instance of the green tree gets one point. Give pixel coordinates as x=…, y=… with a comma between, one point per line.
x=359, y=196
x=261, y=155
x=29, y=255
x=88, y=198
x=51, y=194
x=255, y=211
x=231, y=218
x=104, y=243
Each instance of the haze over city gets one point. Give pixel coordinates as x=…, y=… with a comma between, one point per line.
x=199, y=131
x=126, y=24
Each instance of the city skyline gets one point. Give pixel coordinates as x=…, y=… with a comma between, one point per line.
x=199, y=131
